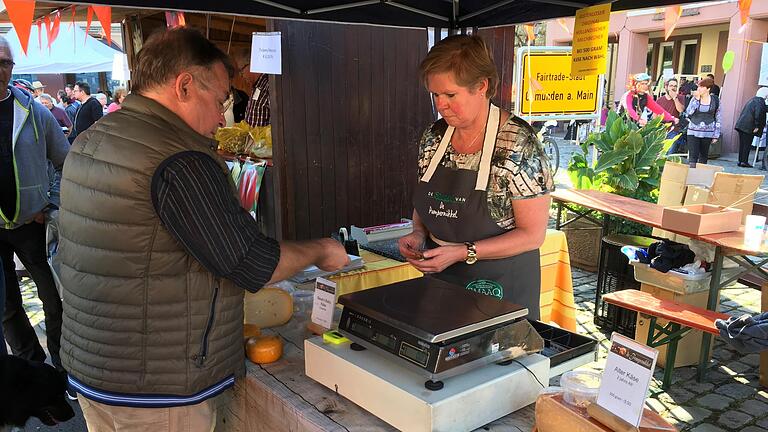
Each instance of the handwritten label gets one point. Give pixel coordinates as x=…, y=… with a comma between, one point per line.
x=324, y=303
x=266, y=53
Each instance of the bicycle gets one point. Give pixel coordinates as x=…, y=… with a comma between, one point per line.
x=550, y=145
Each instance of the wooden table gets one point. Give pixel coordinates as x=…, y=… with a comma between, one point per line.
x=728, y=244
x=279, y=397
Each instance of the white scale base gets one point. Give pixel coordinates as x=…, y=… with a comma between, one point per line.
x=397, y=395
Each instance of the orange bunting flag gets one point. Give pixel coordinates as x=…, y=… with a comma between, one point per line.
x=530, y=32
x=21, y=13
x=671, y=16
x=104, y=13
x=88, y=20
x=55, y=28
x=40, y=35
x=48, y=30
x=744, y=6
x=72, y=23
x=175, y=19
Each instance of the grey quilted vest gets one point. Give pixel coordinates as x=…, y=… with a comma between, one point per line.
x=141, y=315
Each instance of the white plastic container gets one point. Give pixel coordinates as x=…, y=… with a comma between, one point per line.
x=671, y=281
x=580, y=388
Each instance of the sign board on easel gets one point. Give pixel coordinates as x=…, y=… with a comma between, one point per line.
x=627, y=375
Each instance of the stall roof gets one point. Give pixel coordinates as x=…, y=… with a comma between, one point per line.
x=72, y=52
x=401, y=13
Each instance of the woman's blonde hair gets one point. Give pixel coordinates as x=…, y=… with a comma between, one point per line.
x=466, y=57
x=119, y=92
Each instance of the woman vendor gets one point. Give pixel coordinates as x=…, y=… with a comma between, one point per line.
x=635, y=101
x=482, y=202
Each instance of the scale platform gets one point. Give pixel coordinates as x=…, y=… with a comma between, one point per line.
x=395, y=394
x=437, y=328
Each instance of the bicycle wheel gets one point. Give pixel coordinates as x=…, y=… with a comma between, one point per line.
x=553, y=154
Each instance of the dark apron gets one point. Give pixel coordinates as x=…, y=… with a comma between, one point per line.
x=453, y=205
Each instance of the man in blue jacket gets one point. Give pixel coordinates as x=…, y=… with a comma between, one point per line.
x=32, y=152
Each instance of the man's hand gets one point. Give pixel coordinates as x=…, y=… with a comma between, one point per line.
x=714, y=140
x=755, y=131
x=673, y=94
x=334, y=256
x=39, y=218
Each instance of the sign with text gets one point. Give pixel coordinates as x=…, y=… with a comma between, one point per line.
x=549, y=91
x=590, y=40
x=324, y=303
x=628, y=372
x=266, y=54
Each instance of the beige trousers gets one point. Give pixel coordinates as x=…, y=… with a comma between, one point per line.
x=106, y=418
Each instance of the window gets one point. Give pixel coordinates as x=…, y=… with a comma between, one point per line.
x=649, y=60
x=688, y=61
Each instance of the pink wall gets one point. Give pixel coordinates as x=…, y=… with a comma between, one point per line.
x=630, y=43
x=742, y=78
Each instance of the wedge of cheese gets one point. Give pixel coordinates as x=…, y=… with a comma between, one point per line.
x=269, y=307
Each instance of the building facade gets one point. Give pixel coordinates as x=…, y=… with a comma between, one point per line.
x=703, y=34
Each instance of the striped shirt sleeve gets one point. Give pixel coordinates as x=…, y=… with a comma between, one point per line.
x=195, y=202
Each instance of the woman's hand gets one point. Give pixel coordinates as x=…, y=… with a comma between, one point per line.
x=412, y=245
x=438, y=259
x=642, y=122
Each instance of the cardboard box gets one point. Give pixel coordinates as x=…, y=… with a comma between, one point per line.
x=701, y=219
x=689, y=347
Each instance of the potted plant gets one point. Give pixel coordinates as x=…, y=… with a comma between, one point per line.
x=629, y=163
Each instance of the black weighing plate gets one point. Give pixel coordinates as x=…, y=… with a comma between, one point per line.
x=432, y=309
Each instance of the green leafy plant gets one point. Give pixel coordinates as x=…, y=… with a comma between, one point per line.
x=629, y=163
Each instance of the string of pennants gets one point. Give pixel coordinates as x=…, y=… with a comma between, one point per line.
x=22, y=14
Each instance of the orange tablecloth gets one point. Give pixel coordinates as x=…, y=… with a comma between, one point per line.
x=556, y=305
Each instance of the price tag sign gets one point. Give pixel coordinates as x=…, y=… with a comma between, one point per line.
x=324, y=303
x=627, y=375
x=266, y=53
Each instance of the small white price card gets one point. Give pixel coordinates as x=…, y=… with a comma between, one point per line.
x=628, y=372
x=325, y=302
x=266, y=54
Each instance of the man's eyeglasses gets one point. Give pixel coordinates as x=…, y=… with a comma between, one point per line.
x=7, y=64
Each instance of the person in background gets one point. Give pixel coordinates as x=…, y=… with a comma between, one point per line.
x=119, y=96
x=637, y=99
x=60, y=96
x=156, y=251
x=32, y=152
x=257, y=111
x=24, y=85
x=673, y=103
x=715, y=90
x=750, y=124
x=70, y=109
x=88, y=113
x=703, y=123
x=37, y=89
x=102, y=98
x=476, y=222
x=59, y=114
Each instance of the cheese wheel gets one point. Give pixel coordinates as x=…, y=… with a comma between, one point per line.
x=268, y=307
x=250, y=330
x=264, y=349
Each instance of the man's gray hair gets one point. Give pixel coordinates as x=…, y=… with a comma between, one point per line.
x=46, y=96
x=101, y=97
x=168, y=53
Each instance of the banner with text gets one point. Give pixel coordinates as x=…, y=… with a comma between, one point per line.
x=590, y=40
x=547, y=88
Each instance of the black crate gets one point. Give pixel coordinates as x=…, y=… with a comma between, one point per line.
x=615, y=274
x=561, y=345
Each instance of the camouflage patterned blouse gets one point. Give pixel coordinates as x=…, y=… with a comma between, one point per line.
x=519, y=167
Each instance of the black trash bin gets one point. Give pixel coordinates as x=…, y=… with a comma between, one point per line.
x=615, y=274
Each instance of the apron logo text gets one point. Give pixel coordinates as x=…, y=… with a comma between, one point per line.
x=452, y=214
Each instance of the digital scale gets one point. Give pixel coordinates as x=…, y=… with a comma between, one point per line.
x=437, y=328
x=482, y=358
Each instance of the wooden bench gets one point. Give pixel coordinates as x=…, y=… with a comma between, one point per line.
x=682, y=318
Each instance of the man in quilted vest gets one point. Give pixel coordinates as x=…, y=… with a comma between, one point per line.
x=155, y=250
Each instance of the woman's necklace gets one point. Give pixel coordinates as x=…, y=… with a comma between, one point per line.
x=468, y=148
